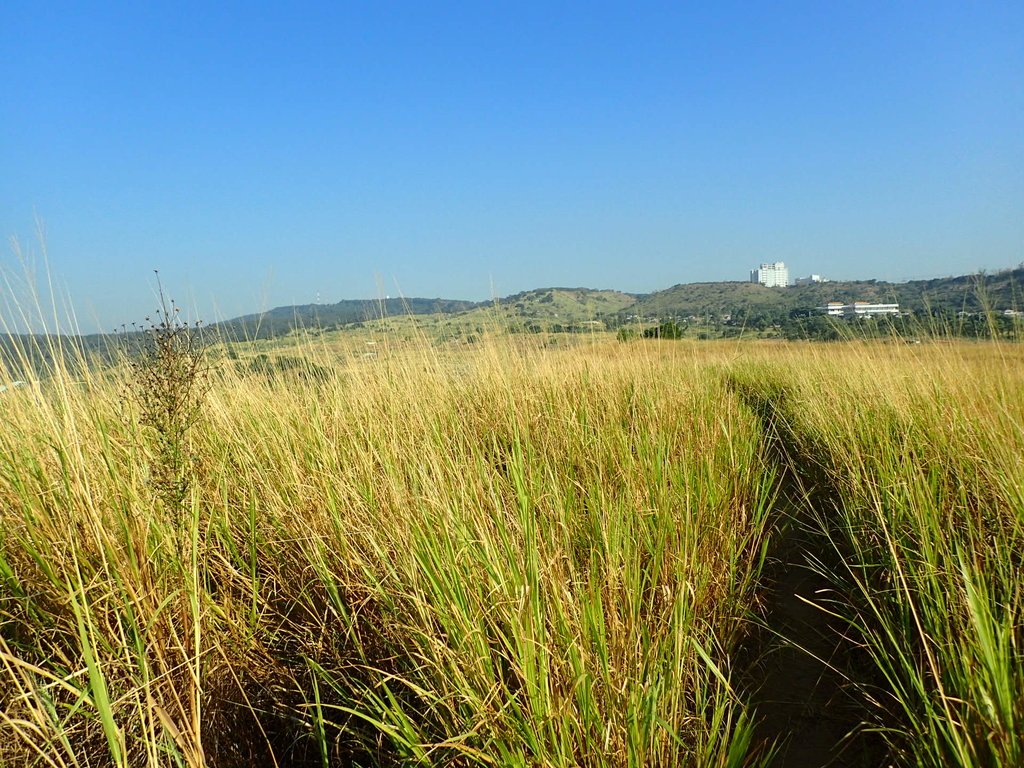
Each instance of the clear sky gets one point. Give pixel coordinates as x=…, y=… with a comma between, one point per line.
x=261, y=154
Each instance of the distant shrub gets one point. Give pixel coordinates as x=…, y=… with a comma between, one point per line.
x=285, y=367
x=669, y=330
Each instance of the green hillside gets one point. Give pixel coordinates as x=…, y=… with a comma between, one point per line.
x=997, y=291
x=282, y=320
x=571, y=305
x=972, y=293
x=558, y=308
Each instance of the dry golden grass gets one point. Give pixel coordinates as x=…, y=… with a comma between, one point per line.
x=503, y=556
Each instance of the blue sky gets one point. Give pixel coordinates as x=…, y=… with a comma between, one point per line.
x=261, y=155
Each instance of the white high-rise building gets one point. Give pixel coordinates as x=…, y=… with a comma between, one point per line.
x=772, y=275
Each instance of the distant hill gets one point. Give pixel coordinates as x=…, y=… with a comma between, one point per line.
x=1000, y=290
x=557, y=305
x=282, y=320
x=548, y=307
x=35, y=354
x=743, y=303
x=571, y=305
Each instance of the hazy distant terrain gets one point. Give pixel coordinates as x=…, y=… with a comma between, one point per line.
x=281, y=320
x=546, y=308
x=712, y=309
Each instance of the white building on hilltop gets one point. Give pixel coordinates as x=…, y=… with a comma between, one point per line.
x=772, y=275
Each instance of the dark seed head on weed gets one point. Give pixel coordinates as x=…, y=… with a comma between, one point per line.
x=168, y=383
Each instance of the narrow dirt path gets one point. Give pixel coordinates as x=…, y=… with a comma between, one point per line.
x=804, y=675
x=801, y=690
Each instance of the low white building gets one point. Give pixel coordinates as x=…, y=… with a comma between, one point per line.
x=859, y=309
x=775, y=275
x=810, y=280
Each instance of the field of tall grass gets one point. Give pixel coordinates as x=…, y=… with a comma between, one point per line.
x=503, y=555
x=498, y=558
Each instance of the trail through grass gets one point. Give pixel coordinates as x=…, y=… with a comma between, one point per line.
x=920, y=452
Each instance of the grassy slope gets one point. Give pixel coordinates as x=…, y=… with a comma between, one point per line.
x=281, y=320
x=567, y=304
